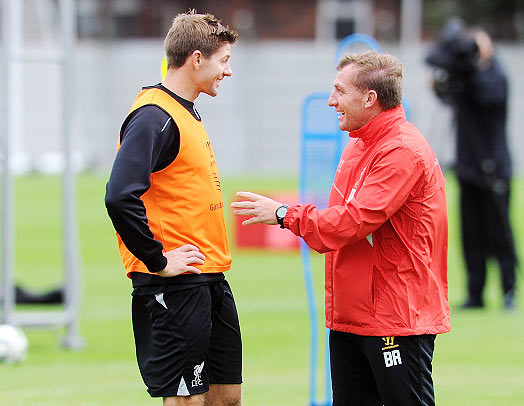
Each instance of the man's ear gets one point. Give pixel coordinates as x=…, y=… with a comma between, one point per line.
x=196, y=58
x=371, y=98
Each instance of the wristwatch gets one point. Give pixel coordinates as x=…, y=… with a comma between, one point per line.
x=281, y=213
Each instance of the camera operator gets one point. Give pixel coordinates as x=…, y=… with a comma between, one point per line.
x=471, y=80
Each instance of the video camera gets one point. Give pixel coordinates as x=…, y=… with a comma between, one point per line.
x=456, y=50
x=455, y=55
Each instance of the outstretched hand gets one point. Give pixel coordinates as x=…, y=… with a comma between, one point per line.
x=260, y=208
x=180, y=259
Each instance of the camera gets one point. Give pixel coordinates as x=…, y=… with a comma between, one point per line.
x=454, y=57
x=456, y=51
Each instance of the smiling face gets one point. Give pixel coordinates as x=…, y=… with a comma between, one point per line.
x=352, y=104
x=213, y=69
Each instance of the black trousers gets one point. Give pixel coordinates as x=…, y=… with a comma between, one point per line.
x=486, y=231
x=376, y=371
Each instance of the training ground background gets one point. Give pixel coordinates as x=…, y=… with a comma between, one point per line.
x=481, y=362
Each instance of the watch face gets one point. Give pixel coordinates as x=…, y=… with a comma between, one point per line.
x=281, y=211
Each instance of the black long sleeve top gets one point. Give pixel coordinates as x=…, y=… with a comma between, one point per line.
x=150, y=141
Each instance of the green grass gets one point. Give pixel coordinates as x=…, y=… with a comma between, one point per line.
x=481, y=362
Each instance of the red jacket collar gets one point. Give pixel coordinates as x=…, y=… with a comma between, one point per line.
x=379, y=125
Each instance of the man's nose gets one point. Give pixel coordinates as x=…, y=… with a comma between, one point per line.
x=331, y=100
x=228, y=71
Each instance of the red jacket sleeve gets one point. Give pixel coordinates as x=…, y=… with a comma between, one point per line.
x=392, y=177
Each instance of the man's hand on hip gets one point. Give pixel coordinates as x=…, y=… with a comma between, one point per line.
x=180, y=259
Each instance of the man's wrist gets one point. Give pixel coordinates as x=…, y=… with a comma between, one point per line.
x=280, y=213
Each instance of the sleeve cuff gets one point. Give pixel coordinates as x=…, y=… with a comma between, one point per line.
x=289, y=215
x=156, y=264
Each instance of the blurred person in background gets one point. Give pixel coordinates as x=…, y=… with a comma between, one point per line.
x=165, y=201
x=471, y=80
x=385, y=236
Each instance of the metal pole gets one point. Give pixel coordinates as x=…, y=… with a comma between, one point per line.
x=11, y=16
x=325, y=25
x=410, y=21
x=364, y=19
x=7, y=226
x=313, y=321
x=19, y=160
x=71, y=263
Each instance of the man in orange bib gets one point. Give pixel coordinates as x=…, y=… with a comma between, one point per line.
x=165, y=201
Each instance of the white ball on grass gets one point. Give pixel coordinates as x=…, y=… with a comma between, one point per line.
x=13, y=344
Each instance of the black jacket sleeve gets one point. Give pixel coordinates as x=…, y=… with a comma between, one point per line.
x=489, y=87
x=149, y=142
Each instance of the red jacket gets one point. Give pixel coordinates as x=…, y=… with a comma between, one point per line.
x=385, y=233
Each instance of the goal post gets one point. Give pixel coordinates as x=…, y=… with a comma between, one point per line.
x=14, y=56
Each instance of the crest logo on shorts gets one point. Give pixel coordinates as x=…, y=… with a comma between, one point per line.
x=198, y=375
x=389, y=343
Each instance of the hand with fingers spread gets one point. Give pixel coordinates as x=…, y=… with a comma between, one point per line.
x=180, y=259
x=261, y=208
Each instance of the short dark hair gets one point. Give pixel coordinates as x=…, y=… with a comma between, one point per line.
x=190, y=32
x=379, y=72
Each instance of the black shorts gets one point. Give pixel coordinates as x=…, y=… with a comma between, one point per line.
x=373, y=371
x=187, y=339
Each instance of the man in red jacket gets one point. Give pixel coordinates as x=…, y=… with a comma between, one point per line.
x=385, y=235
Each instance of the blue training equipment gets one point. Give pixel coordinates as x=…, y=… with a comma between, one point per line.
x=356, y=39
x=322, y=145
x=321, y=148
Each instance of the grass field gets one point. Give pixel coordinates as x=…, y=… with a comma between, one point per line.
x=481, y=362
